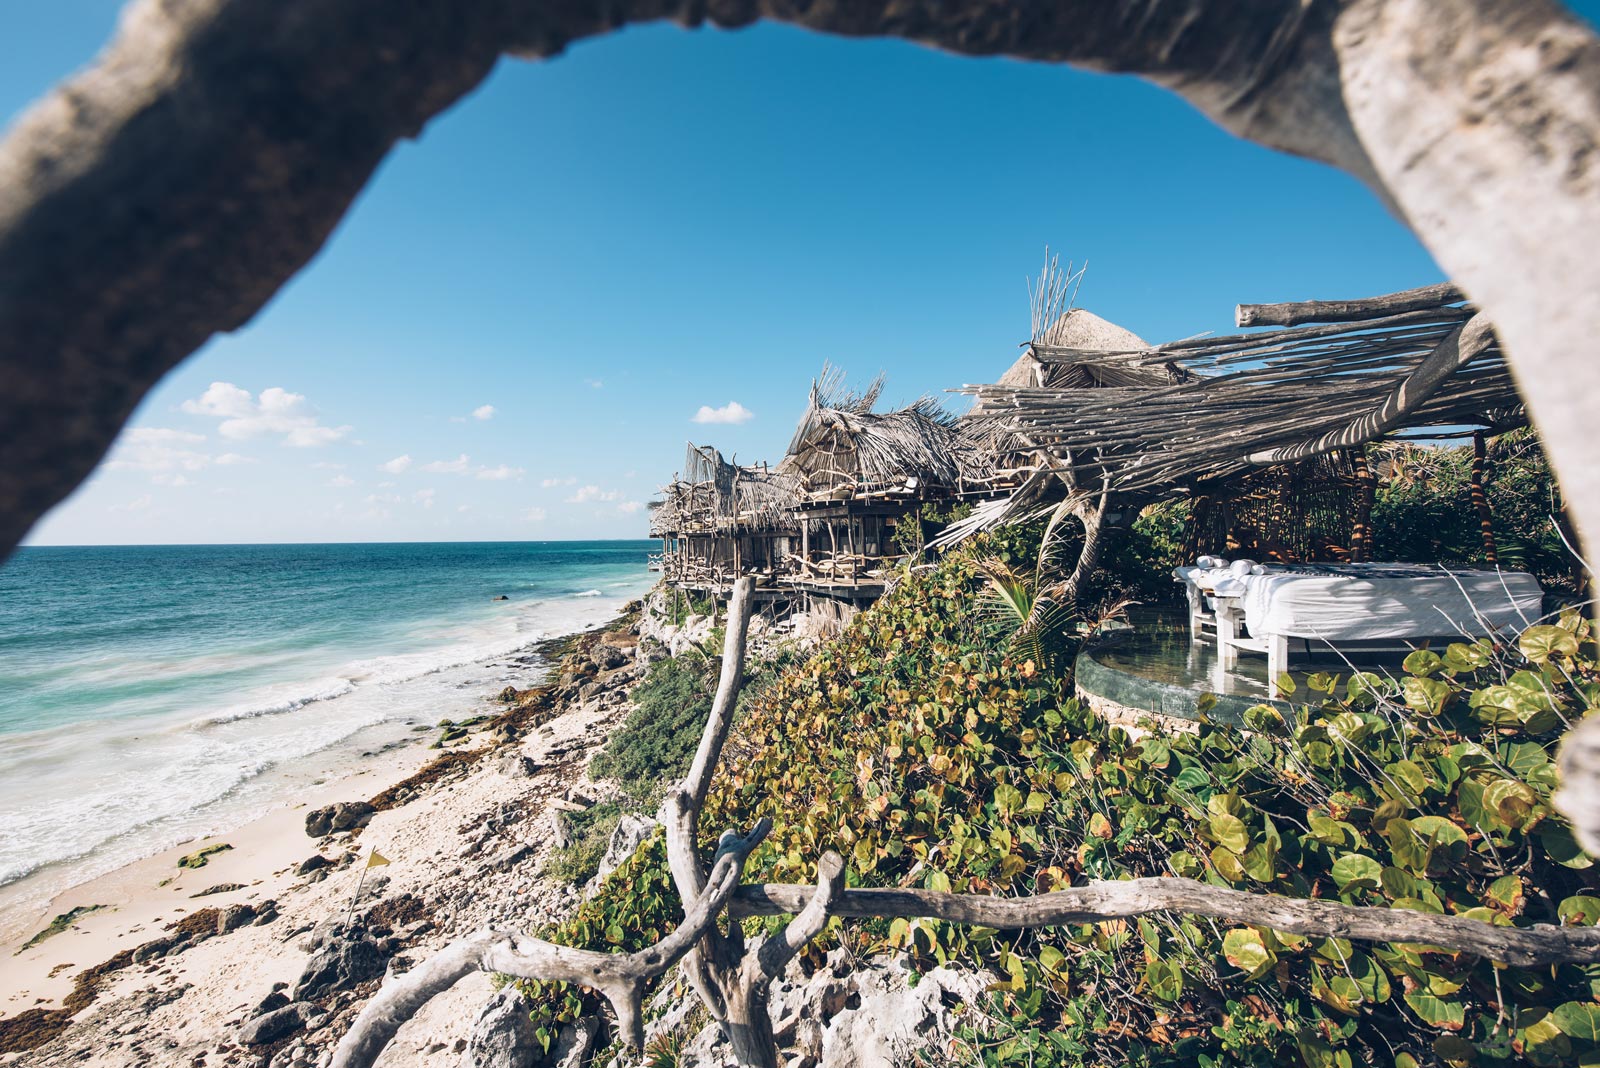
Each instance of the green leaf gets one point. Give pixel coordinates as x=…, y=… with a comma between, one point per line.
x=1459, y=656
x=1422, y=662
x=1230, y=832
x=1524, y=758
x=1510, y=801
x=1542, y=642
x=1580, y=1019
x=1507, y=892
x=1410, y=849
x=1436, y=1011
x=1245, y=950
x=1165, y=979
x=1562, y=847
x=1580, y=909
x=1228, y=864
x=1355, y=871
x=1322, y=682
x=1425, y=695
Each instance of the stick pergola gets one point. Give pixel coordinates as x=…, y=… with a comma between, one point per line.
x=1336, y=375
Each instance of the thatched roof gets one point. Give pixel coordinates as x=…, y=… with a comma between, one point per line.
x=1257, y=398
x=714, y=494
x=1079, y=330
x=842, y=447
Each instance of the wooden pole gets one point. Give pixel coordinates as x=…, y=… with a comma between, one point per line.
x=1361, y=530
x=1480, y=498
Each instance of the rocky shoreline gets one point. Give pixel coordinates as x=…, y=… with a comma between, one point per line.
x=270, y=973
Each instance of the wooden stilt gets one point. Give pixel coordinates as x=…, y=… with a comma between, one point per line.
x=1366, y=490
x=1480, y=498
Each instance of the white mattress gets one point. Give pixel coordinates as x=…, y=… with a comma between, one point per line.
x=1351, y=602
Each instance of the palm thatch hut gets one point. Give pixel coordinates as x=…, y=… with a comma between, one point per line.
x=859, y=473
x=718, y=520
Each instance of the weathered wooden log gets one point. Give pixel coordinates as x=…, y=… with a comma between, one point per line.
x=1345, y=311
x=1527, y=947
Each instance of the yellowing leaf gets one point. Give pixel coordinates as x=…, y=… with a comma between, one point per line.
x=1245, y=950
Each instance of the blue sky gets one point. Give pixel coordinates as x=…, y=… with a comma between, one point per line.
x=512, y=332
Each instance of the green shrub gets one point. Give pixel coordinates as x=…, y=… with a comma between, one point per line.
x=590, y=835
x=658, y=739
x=1424, y=510
x=915, y=747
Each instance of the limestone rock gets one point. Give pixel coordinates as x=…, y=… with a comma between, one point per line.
x=894, y=1018
x=515, y=765
x=502, y=1036
x=575, y=1043
x=630, y=834
x=311, y=864
x=343, y=816
x=341, y=963
x=276, y=1024
x=607, y=656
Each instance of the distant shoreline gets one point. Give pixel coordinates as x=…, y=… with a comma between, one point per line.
x=135, y=902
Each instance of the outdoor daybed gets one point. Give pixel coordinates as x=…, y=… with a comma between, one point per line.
x=1268, y=607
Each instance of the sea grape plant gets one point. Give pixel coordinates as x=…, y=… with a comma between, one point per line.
x=924, y=750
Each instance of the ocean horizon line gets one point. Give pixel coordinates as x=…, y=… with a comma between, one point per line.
x=287, y=544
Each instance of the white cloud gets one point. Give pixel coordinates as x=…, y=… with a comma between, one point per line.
x=341, y=481
x=149, y=448
x=153, y=435
x=732, y=412
x=320, y=465
x=534, y=515
x=396, y=466
x=629, y=507
x=138, y=504
x=423, y=497
x=590, y=493
x=594, y=383
x=463, y=508
x=276, y=411
x=483, y=412
x=167, y=478
x=312, y=437
x=499, y=474
x=229, y=459
x=552, y=482
x=458, y=466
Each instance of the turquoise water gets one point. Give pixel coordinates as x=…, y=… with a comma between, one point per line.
x=147, y=692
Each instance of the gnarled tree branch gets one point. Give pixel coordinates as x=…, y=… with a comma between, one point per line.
x=621, y=977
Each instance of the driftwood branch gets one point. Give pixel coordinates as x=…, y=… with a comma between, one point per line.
x=1109, y=900
x=1346, y=311
x=621, y=977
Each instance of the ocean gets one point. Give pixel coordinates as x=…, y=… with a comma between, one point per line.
x=149, y=695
